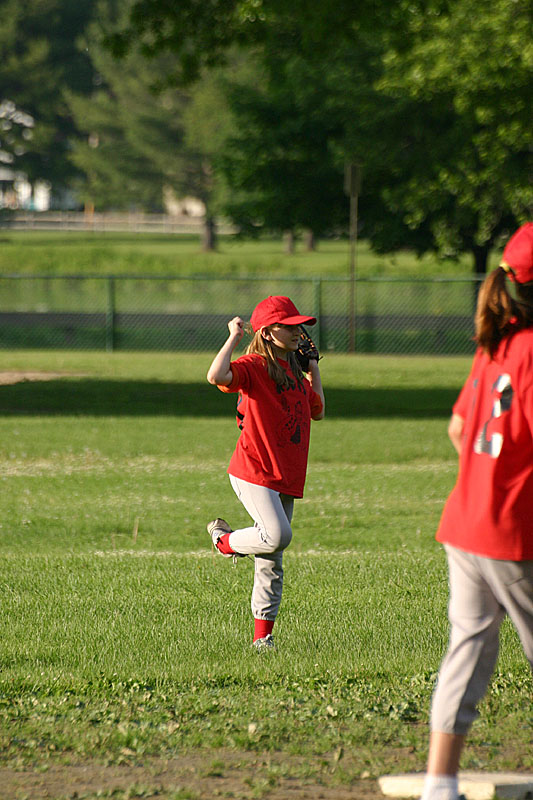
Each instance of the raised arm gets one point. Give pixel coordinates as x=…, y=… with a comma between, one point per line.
x=219, y=373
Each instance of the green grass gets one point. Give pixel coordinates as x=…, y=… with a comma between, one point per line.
x=123, y=637
x=32, y=252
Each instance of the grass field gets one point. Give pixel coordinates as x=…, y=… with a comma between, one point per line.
x=126, y=667
x=33, y=252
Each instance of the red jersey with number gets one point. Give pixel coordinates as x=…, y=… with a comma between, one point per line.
x=490, y=510
x=275, y=425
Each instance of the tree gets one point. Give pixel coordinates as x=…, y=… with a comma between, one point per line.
x=208, y=125
x=279, y=163
x=39, y=59
x=437, y=115
x=142, y=134
x=463, y=165
x=201, y=35
x=126, y=129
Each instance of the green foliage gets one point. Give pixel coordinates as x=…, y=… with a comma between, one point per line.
x=431, y=99
x=143, y=136
x=187, y=24
x=279, y=164
x=40, y=61
x=468, y=73
x=134, y=134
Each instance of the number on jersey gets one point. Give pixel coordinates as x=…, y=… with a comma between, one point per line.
x=492, y=445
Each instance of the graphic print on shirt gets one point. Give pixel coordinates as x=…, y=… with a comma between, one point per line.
x=492, y=445
x=289, y=430
x=291, y=387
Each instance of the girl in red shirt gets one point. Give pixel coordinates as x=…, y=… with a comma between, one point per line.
x=487, y=522
x=267, y=470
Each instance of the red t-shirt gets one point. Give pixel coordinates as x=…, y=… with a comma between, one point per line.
x=490, y=510
x=273, y=446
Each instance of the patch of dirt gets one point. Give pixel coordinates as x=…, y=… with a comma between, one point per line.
x=205, y=776
x=17, y=376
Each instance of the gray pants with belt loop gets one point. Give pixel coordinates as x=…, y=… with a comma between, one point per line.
x=482, y=592
x=266, y=540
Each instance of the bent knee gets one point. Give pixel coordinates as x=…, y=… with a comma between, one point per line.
x=278, y=538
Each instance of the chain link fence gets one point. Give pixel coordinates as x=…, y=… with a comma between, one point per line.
x=371, y=315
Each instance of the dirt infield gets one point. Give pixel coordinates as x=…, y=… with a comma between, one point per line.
x=17, y=376
x=243, y=776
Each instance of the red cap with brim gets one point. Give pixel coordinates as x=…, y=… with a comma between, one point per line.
x=517, y=258
x=277, y=309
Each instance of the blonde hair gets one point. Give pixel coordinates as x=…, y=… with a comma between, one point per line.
x=498, y=313
x=262, y=347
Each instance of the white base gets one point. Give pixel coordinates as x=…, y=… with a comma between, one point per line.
x=474, y=785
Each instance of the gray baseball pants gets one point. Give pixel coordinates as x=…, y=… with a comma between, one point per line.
x=266, y=540
x=482, y=592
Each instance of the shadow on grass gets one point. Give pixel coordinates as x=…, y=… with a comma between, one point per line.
x=96, y=397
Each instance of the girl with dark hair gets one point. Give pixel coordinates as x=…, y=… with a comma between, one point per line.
x=267, y=470
x=487, y=522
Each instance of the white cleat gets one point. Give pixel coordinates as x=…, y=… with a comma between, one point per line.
x=217, y=528
x=265, y=643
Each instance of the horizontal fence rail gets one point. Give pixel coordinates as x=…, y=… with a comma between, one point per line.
x=107, y=222
x=391, y=315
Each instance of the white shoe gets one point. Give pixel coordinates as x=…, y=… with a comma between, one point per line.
x=265, y=643
x=217, y=528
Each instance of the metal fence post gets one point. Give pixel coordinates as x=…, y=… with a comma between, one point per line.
x=352, y=186
x=317, y=306
x=110, y=316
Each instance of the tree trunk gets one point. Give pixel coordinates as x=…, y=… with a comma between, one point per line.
x=481, y=257
x=310, y=242
x=209, y=239
x=288, y=238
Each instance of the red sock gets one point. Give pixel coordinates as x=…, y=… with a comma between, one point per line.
x=223, y=545
x=262, y=628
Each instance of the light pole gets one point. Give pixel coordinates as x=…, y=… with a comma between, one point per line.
x=352, y=187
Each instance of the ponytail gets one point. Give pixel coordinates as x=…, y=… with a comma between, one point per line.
x=498, y=314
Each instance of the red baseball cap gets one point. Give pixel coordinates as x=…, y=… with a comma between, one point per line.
x=517, y=258
x=277, y=309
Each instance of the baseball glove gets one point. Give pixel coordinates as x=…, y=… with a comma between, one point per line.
x=307, y=350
